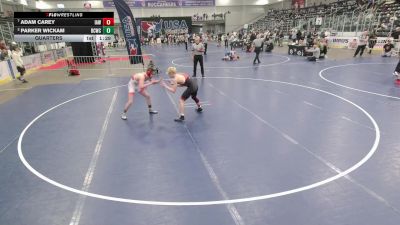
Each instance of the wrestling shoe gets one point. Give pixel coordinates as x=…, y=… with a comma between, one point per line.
x=153, y=112
x=123, y=116
x=180, y=119
x=199, y=109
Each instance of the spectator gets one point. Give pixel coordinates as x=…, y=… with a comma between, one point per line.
x=232, y=40
x=362, y=43
x=269, y=45
x=5, y=53
x=315, y=53
x=387, y=49
x=353, y=44
x=396, y=33
x=205, y=42
x=298, y=35
x=186, y=41
x=280, y=39
x=226, y=40
x=253, y=36
x=16, y=56
x=371, y=42
x=324, y=47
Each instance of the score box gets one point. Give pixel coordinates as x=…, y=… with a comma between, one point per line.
x=108, y=30
x=108, y=21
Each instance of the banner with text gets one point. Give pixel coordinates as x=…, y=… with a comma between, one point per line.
x=129, y=29
x=154, y=27
x=162, y=3
x=342, y=42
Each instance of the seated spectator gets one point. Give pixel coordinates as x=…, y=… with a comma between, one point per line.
x=396, y=33
x=387, y=49
x=152, y=67
x=353, y=44
x=248, y=45
x=269, y=45
x=315, y=53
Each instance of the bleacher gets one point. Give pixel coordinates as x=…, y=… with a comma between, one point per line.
x=388, y=13
x=344, y=16
x=7, y=29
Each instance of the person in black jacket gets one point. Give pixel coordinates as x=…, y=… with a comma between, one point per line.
x=371, y=42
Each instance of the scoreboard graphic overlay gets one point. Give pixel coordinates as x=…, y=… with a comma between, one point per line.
x=64, y=26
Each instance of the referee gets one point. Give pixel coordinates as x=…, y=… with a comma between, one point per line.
x=258, y=46
x=198, y=49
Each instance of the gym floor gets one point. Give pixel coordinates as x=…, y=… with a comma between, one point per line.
x=284, y=142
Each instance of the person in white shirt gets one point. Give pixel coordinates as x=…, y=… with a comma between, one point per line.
x=258, y=46
x=16, y=56
x=362, y=44
x=316, y=53
x=198, y=50
x=232, y=40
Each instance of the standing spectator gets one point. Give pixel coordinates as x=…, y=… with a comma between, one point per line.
x=5, y=54
x=293, y=36
x=280, y=39
x=324, y=47
x=205, y=42
x=186, y=41
x=396, y=33
x=253, y=37
x=371, y=42
x=362, y=43
x=232, y=40
x=258, y=46
x=16, y=56
x=198, y=49
x=226, y=40
x=220, y=37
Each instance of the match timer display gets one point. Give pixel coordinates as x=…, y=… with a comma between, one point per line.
x=64, y=26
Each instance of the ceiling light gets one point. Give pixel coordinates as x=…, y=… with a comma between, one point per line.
x=42, y=5
x=262, y=2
